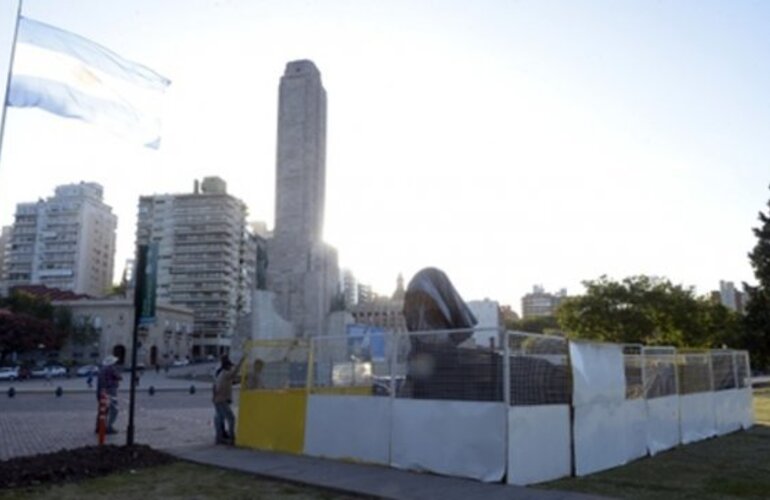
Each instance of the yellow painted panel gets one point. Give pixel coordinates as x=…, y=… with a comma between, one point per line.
x=272, y=420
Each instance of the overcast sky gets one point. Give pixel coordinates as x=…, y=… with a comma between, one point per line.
x=509, y=143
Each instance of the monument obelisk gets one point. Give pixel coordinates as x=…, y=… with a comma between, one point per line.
x=302, y=270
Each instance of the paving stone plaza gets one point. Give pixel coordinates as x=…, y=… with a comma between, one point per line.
x=35, y=420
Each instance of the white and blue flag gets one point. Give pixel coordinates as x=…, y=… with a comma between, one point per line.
x=71, y=76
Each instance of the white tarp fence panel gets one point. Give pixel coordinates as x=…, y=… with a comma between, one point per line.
x=746, y=407
x=662, y=423
x=538, y=443
x=728, y=405
x=697, y=416
x=599, y=398
x=597, y=373
x=745, y=397
x=648, y=400
x=635, y=429
x=456, y=438
x=661, y=393
x=348, y=427
x=600, y=437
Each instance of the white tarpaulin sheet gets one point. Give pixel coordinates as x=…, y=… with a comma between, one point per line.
x=604, y=420
x=746, y=401
x=348, y=427
x=457, y=438
x=600, y=437
x=662, y=423
x=727, y=405
x=597, y=372
x=538, y=443
x=697, y=417
x=635, y=411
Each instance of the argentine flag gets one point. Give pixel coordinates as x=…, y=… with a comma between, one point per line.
x=71, y=76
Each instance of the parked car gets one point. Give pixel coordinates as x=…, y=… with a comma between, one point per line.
x=9, y=373
x=181, y=362
x=49, y=371
x=87, y=370
x=381, y=385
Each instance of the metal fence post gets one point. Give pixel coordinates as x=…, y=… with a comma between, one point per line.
x=506, y=392
x=396, y=343
x=506, y=370
x=310, y=362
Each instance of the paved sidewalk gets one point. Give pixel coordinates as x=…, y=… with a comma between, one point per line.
x=37, y=423
x=367, y=480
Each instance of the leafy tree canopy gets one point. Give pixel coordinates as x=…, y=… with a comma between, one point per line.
x=27, y=322
x=21, y=332
x=649, y=311
x=757, y=319
x=25, y=303
x=539, y=324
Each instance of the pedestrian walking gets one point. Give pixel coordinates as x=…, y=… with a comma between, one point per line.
x=90, y=379
x=107, y=383
x=224, y=419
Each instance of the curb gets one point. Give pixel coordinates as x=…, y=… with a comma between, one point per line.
x=65, y=391
x=51, y=390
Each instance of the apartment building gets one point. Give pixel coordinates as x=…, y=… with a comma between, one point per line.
x=66, y=241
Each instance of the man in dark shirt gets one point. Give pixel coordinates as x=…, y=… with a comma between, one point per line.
x=224, y=419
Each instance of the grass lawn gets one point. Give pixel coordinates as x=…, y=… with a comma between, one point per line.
x=180, y=480
x=732, y=466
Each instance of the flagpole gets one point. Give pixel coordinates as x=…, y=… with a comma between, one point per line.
x=8, y=78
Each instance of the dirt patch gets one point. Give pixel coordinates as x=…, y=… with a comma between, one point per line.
x=80, y=463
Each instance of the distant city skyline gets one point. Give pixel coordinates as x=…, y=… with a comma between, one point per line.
x=507, y=143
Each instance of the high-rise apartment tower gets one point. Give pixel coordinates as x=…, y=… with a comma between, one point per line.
x=204, y=258
x=66, y=241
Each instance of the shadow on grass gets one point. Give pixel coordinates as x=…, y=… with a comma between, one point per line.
x=180, y=480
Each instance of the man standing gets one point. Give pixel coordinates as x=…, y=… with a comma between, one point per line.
x=107, y=382
x=222, y=398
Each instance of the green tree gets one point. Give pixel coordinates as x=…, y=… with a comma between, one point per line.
x=539, y=324
x=647, y=310
x=28, y=323
x=21, y=332
x=757, y=318
x=25, y=303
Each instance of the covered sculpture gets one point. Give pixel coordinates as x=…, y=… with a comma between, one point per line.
x=437, y=367
x=442, y=365
x=432, y=303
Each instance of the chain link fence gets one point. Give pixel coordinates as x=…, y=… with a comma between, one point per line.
x=539, y=369
x=358, y=364
x=694, y=369
x=275, y=364
x=447, y=365
x=742, y=369
x=633, y=369
x=723, y=370
x=659, y=372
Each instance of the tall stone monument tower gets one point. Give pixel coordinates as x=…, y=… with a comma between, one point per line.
x=302, y=270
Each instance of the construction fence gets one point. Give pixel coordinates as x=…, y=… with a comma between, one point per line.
x=526, y=408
